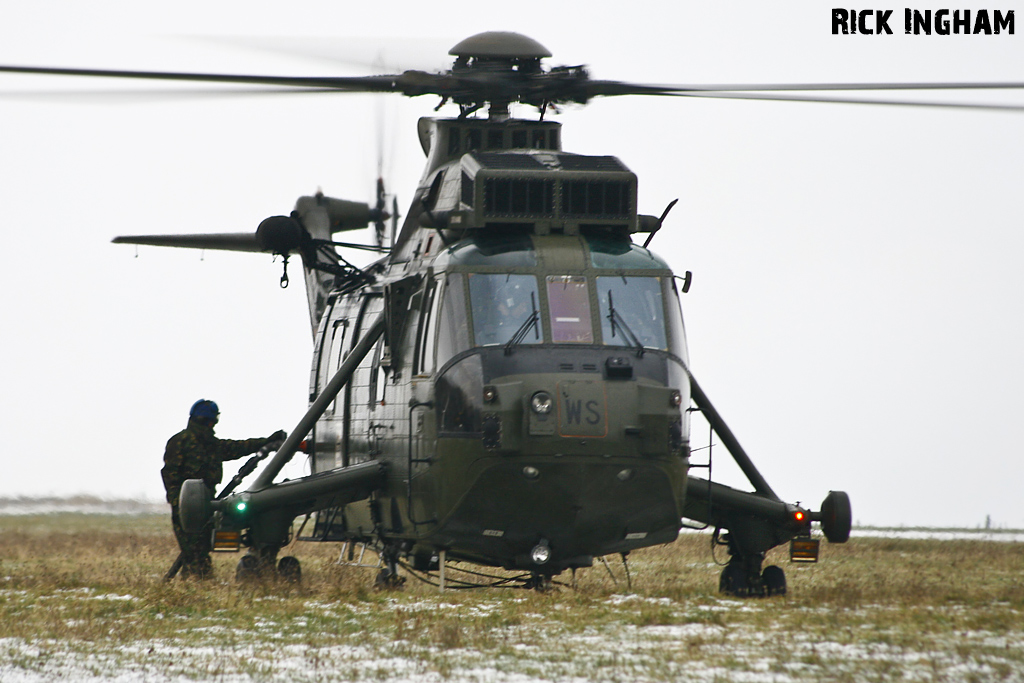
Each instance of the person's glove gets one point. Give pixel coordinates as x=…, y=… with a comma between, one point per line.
x=279, y=435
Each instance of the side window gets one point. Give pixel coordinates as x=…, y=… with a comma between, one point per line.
x=424, y=364
x=335, y=354
x=323, y=338
x=452, y=331
x=675, y=322
x=378, y=378
x=460, y=397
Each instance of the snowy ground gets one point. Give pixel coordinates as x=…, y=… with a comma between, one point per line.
x=540, y=648
x=149, y=632
x=997, y=535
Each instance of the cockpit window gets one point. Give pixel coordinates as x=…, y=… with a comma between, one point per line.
x=632, y=311
x=621, y=254
x=569, y=304
x=502, y=304
x=504, y=251
x=675, y=321
x=452, y=335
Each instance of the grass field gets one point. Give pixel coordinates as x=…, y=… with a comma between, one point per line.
x=81, y=598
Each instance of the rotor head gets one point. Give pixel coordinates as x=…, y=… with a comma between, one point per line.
x=500, y=45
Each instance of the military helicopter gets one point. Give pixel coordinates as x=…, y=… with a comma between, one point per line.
x=509, y=386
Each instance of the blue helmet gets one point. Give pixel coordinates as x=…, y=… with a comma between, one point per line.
x=204, y=409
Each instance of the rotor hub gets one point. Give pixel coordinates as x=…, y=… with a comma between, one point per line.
x=499, y=45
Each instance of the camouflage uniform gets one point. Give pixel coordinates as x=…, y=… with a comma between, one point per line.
x=195, y=453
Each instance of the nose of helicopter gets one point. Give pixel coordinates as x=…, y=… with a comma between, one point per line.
x=553, y=456
x=576, y=507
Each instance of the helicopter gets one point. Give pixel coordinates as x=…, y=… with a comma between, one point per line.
x=509, y=386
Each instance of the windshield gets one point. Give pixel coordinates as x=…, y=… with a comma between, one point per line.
x=633, y=303
x=501, y=304
x=569, y=304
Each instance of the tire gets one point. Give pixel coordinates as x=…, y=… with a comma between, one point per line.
x=773, y=579
x=248, y=568
x=194, y=508
x=836, y=517
x=734, y=581
x=289, y=569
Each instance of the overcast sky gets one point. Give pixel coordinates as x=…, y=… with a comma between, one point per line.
x=857, y=308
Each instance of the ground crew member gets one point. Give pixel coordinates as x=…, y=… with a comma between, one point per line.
x=195, y=453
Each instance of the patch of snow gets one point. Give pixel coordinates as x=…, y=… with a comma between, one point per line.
x=88, y=505
x=1008, y=536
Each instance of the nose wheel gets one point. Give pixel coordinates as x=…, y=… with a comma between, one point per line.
x=539, y=582
x=773, y=579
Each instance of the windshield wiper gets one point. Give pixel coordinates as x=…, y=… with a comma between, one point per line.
x=616, y=320
x=533, y=320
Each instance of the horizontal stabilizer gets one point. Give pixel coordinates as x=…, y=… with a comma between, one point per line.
x=228, y=241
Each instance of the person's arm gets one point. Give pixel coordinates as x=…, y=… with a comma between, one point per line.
x=230, y=449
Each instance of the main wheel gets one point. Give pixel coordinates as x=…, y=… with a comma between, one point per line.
x=290, y=569
x=773, y=579
x=388, y=579
x=836, y=517
x=734, y=581
x=194, y=509
x=248, y=568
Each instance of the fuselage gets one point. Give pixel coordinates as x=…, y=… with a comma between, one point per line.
x=530, y=387
x=535, y=395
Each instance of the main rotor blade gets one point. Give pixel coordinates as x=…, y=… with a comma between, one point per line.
x=849, y=100
x=560, y=85
x=836, y=86
x=613, y=88
x=79, y=96
x=347, y=83
x=229, y=241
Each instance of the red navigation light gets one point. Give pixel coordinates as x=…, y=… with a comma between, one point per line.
x=799, y=515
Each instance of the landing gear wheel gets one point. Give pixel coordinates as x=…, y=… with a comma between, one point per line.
x=773, y=579
x=388, y=579
x=290, y=569
x=194, y=509
x=248, y=568
x=539, y=582
x=734, y=581
x=836, y=517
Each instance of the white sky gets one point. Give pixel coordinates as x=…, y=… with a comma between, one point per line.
x=857, y=311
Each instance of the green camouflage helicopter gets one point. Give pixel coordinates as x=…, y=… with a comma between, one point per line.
x=509, y=385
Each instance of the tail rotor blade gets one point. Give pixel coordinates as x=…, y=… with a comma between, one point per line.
x=381, y=216
x=394, y=219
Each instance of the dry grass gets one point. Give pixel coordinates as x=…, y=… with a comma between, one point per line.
x=81, y=597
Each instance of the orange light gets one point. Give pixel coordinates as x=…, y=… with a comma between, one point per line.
x=799, y=516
